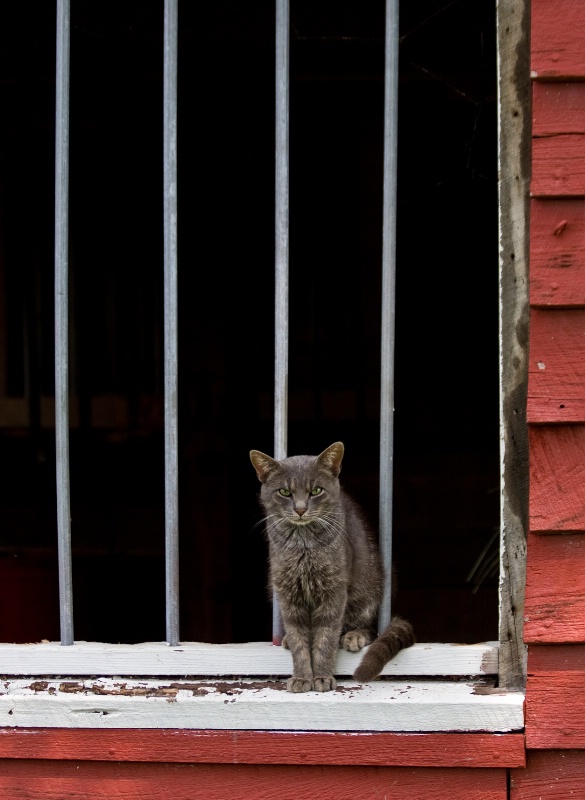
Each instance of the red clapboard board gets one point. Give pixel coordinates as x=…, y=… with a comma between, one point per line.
x=266, y=747
x=555, y=700
x=557, y=253
x=557, y=108
x=554, y=610
x=558, y=166
x=557, y=478
x=551, y=775
x=55, y=780
x=556, y=368
x=557, y=39
x=558, y=130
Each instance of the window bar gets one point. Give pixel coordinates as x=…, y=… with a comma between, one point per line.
x=388, y=303
x=170, y=316
x=61, y=323
x=281, y=254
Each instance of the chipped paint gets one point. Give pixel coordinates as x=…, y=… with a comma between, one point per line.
x=383, y=705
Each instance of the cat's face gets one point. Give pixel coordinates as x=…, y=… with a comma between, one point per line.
x=300, y=490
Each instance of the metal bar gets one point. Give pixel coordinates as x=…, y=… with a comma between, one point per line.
x=61, y=323
x=281, y=253
x=388, y=304
x=170, y=314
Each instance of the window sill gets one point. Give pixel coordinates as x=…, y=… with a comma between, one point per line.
x=412, y=696
x=250, y=659
x=385, y=705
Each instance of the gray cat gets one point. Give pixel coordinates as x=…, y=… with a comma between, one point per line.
x=325, y=568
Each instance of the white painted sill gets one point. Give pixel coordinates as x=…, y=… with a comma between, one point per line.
x=428, y=687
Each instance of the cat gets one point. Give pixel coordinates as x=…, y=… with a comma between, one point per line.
x=325, y=568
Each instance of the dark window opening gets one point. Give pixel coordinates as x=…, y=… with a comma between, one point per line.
x=446, y=468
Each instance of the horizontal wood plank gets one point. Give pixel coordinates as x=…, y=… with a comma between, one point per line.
x=555, y=697
x=558, y=108
x=556, y=370
x=557, y=39
x=557, y=479
x=54, y=780
x=551, y=775
x=557, y=253
x=558, y=166
x=548, y=658
x=385, y=705
x=261, y=747
x=251, y=658
x=555, y=589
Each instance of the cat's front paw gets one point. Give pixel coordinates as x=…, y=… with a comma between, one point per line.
x=324, y=683
x=284, y=642
x=299, y=684
x=354, y=641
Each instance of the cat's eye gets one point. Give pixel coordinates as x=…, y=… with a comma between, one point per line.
x=285, y=492
x=316, y=490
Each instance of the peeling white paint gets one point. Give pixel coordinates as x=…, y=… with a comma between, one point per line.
x=250, y=705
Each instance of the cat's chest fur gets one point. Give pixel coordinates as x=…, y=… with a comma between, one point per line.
x=308, y=576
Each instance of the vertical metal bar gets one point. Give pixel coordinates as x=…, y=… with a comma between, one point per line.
x=61, y=323
x=388, y=303
x=170, y=314
x=281, y=253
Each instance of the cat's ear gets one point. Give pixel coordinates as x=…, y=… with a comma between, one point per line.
x=332, y=457
x=263, y=464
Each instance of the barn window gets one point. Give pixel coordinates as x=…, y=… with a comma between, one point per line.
x=118, y=518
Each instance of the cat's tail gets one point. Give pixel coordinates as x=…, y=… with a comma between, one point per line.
x=395, y=637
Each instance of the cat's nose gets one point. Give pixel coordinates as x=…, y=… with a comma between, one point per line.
x=300, y=510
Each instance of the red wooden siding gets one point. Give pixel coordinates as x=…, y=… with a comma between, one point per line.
x=550, y=775
x=557, y=108
x=557, y=166
x=556, y=382
x=555, y=713
x=557, y=39
x=54, y=780
x=555, y=584
x=557, y=479
x=258, y=747
x=555, y=589
x=557, y=253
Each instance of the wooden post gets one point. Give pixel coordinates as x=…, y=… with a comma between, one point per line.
x=513, y=22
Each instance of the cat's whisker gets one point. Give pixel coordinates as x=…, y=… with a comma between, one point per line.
x=260, y=522
x=275, y=524
x=331, y=523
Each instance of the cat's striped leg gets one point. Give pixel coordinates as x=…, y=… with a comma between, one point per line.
x=326, y=626
x=297, y=641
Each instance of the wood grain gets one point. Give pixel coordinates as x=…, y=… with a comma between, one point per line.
x=514, y=156
x=557, y=253
x=555, y=697
x=558, y=167
x=545, y=658
x=413, y=706
x=557, y=39
x=54, y=780
x=557, y=479
x=250, y=658
x=556, y=372
x=261, y=747
x=558, y=108
x=555, y=589
x=552, y=775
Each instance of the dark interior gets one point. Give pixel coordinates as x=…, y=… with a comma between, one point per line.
x=446, y=464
